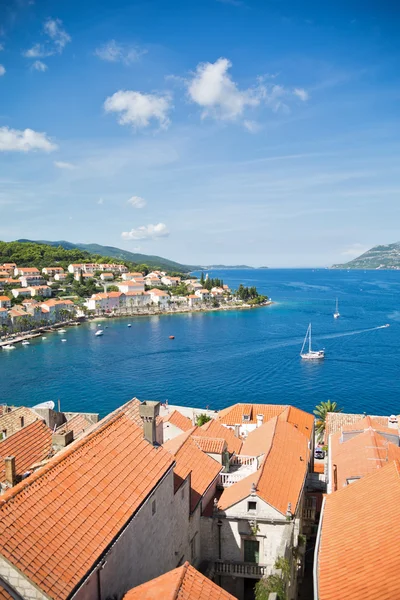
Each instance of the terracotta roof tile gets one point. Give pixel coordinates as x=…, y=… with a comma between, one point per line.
x=209, y=445
x=358, y=556
x=29, y=445
x=214, y=428
x=336, y=421
x=202, y=468
x=300, y=419
x=179, y=420
x=362, y=454
x=259, y=440
x=280, y=479
x=370, y=422
x=4, y=595
x=103, y=478
x=233, y=415
x=183, y=583
x=177, y=442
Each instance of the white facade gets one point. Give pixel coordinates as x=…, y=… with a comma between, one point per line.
x=130, y=286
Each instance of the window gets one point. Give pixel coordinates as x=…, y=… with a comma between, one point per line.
x=4, y=433
x=251, y=551
x=153, y=507
x=251, y=506
x=21, y=420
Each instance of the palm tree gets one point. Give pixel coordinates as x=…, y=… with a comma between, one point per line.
x=321, y=411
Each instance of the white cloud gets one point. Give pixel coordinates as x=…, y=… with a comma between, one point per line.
x=354, y=251
x=114, y=52
x=16, y=140
x=252, y=126
x=64, y=165
x=53, y=28
x=137, y=202
x=301, y=93
x=138, y=109
x=38, y=65
x=146, y=232
x=38, y=51
x=213, y=89
x=58, y=38
x=2, y=70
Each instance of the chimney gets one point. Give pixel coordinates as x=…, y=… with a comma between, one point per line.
x=334, y=478
x=260, y=420
x=11, y=478
x=148, y=411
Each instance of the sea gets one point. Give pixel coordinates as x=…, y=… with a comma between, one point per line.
x=223, y=357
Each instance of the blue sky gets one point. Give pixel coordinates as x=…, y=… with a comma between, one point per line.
x=212, y=131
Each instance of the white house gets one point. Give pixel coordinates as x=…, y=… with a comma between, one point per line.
x=133, y=276
x=25, y=271
x=3, y=315
x=5, y=302
x=41, y=290
x=18, y=292
x=106, y=276
x=193, y=300
x=130, y=286
x=52, y=271
x=27, y=280
x=137, y=299
x=203, y=294
x=75, y=268
x=159, y=297
x=60, y=277
x=170, y=281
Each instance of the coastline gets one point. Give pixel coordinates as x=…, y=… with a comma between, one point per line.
x=53, y=328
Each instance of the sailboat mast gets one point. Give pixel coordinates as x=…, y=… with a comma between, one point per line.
x=309, y=338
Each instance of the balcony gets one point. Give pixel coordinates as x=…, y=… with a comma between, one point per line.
x=240, y=569
x=239, y=468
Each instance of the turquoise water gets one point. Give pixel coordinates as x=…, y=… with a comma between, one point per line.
x=220, y=358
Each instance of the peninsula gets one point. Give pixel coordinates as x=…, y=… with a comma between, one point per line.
x=379, y=257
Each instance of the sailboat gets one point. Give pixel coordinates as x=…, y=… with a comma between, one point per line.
x=336, y=314
x=311, y=354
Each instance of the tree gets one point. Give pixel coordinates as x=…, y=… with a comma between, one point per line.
x=321, y=411
x=201, y=419
x=274, y=583
x=112, y=288
x=202, y=278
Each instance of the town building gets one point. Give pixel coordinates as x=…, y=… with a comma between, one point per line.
x=193, y=301
x=174, y=424
x=40, y=290
x=170, y=281
x=356, y=555
x=106, y=276
x=159, y=297
x=130, y=286
x=5, y=302
x=21, y=292
x=52, y=271
x=182, y=583
x=203, y=294
x=60, y=276
x=26, y=272
x=9, y=268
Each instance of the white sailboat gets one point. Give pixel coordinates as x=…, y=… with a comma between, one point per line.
x=311, y=354
x=336, y=314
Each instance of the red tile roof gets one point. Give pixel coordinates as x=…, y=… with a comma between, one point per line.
x=4, y=595
x=77, y=424
x=280, y=479
x=336, y=421
x=358, y=555
x=259, y=440
x=214, y=428
x=183, y=583
x=233, y=415
x=202, y=468
x=11, y=420
x=370, y=422
x=364, y=453
x=179, y=420
x=55, y=525
x=209, y=445
x=29, y=445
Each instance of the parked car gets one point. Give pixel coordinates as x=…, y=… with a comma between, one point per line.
x=319, y=453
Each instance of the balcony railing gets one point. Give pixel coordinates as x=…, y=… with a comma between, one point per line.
x=309, y=514
x=240, y=569
x=243, y=461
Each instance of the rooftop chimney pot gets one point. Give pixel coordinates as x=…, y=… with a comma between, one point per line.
x=149, y=411
x=11, y=476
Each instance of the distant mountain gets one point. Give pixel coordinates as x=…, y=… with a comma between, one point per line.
x=227, y=267
x=117, y=253
x=379, y=257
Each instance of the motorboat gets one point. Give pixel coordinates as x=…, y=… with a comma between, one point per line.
x=62, y=331
x=99, y=332
x=129, y=325
x=311, y=354
x=9, y=347
x=26, y=343
x=63, y=340
x=47, y=404
x=44, y=338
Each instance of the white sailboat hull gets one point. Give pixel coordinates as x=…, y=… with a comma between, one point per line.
x=336, y=315
x=313, y=355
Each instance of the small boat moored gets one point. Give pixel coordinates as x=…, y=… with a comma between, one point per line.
x=99, y=332
x=26, y=343
x=311, y=354
x=171, y=337
x=129, y=325
x=8, y=347
x=62, y=331
x=63, y=340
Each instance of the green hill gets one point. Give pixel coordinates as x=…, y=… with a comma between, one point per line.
x=378, y=257
x=114, y=253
